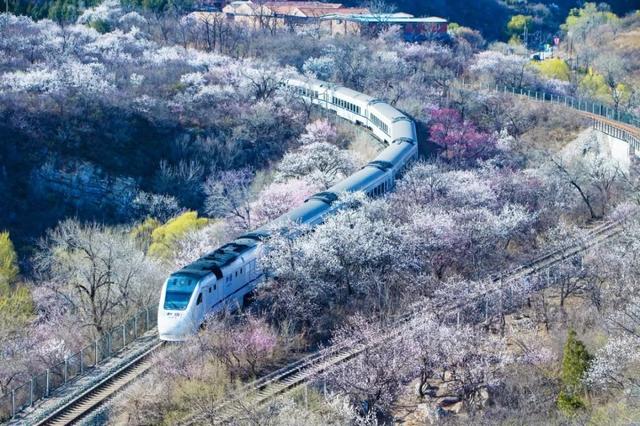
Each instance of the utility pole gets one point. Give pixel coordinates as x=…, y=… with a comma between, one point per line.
x=525, y=35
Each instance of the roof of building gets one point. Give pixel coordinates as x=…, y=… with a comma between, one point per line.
x=318, y=12
x=391, y=18
x=310, y=9
x=305, y=4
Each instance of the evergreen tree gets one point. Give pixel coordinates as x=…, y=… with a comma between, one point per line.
x=16, y=306
x=575, y=362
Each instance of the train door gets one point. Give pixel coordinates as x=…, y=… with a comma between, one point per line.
x=212, y=294
x=199, y=310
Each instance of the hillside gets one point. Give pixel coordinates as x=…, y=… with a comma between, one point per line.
x=265, y=192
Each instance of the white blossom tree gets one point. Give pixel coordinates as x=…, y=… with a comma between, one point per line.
x=318, y=162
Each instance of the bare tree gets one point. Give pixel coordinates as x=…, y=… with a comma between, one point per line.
x=98, y=272
x=229, y=194
x=596, y=177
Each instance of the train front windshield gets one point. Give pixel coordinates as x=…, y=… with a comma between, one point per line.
x=179, y=291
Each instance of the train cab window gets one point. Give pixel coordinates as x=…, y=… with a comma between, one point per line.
x=178, y=293
x=199, y=301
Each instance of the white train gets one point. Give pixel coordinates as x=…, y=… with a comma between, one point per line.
x=223, y=278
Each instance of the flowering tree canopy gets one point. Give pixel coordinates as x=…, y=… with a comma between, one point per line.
x=460, y=138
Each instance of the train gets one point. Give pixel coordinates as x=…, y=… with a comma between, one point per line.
x=224, y=278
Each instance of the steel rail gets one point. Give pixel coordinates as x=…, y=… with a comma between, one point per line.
x=291, y=376
x=98, y=394
x=288, y=378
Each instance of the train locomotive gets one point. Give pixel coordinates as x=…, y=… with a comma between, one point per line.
x=223, y=278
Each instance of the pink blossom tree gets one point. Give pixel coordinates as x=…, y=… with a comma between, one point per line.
x=278, y=198
x=460, y=138
x=319, y=131
x=243, y=348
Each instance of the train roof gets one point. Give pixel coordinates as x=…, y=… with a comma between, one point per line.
x=352, y=95
x=304, y=213
x=319, y=203
x=214, y=261
x=396, y=150
x=333, y=88
x=357, y=181
x=386, y=112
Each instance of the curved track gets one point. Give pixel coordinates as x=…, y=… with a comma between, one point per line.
x=622, y=126
x=265, y=389
x=98, y=394
x=304, y=370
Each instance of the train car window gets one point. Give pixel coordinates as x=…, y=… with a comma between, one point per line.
x=209, y=289
x=236, y=273
x=199, y=301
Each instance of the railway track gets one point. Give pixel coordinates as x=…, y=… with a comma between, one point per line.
x=288, y=378
x=622, y=126
x=97, y=395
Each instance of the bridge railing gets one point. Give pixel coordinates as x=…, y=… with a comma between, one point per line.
x=622, y=134
x=581, y=104
x=44, y=384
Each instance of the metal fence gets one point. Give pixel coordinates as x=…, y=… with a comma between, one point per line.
x=42, y=385
x=623, y=135
x=580, y=104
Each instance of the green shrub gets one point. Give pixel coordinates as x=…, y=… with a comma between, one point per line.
x=575, y=362
x=16, y=307
x=568, y=403
x=142, y=233
x=8, y=261
x=101, y=26
x=554, y=68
